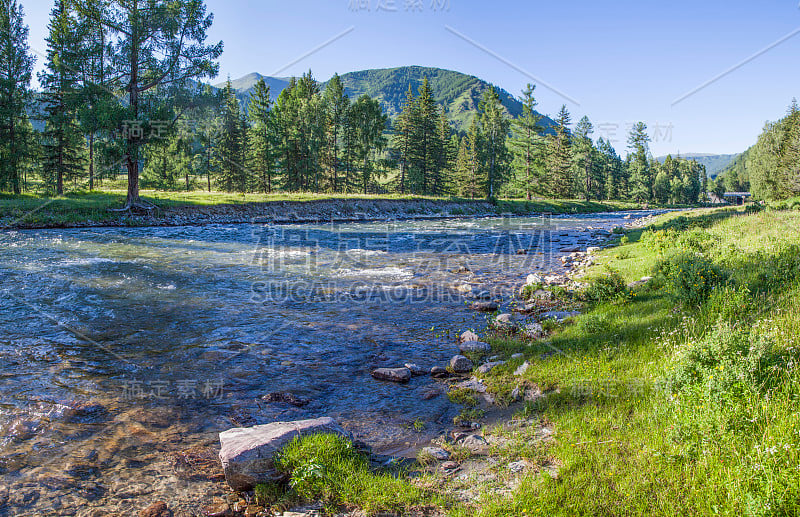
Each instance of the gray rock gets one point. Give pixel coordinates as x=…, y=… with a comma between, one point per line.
x=517, y=466
x=437, y=453
x=504, y=320
x=461, y=364
x=469, y=336
x=488, y=367
x=475, y=443
x=517, y=356
x=533, y=279
x=593, y=249
x=522, y=369
x=392, y=374
x=474, y=347
x=437, y=372
x=247, y=454
x=484, y=306
x=533, y=331
x=558, y=315
x=483, y=295
x=416, y=370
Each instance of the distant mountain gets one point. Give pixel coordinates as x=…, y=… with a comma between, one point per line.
x=244, y=85
x=715, y=163
x=459, y=93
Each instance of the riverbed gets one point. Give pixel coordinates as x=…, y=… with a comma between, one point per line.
x=123, y=348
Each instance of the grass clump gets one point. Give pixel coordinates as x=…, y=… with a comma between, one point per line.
x=690, y=278
x=328, y=469
x=606, y=287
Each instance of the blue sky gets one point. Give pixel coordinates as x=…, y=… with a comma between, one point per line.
x=622, y=61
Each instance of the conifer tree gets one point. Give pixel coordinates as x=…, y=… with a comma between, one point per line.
x=558, y=161
x=642, y=175
x=583, y=149
x=526, y=145
x=63, y=140
x=336, y=104
x=263, y=140
x=16, y=68
x=494, y=127
x=404, y=136
x=231, y=147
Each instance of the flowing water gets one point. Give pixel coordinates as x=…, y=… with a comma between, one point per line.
x=121, y=349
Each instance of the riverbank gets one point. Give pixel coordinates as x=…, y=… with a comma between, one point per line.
x=674, y=392
x=96, y=209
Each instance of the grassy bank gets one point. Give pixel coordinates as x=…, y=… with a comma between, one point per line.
x=94, y=208
x=678, y=396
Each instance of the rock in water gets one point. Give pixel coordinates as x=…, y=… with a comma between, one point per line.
x=416, y=370
x=248, y=454
x=474, y=347
x=157, y=509
x=484, y=306
x=469, y=336
x=288, y=398
x=533, y=279
x=461, y=364
x=437, y=372
x=392, y=374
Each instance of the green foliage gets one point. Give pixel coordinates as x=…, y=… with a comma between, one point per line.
x=606, y=287
x=328, y=469
x=690, y=278
x=465, y=396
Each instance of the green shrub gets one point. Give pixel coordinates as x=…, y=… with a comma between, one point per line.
x=660, y=241
x=690, y=278
x=624, y=239
x=606, y=287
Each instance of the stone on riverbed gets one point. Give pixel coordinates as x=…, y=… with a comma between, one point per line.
x=157, y=509
x=248, y=454
x=286, y=397
x=392, y=374
x=558, y=315
x=416, y=370
x=461, y=364
x=437, y=372
x=437, y=453
x=533, y=331
x=474, y=347
x=484, y=306
x=469, y=336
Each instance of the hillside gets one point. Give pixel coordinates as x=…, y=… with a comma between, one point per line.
x=459, y=93
x=714, y=163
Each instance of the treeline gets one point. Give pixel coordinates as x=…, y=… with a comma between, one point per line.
x=121, y=90
x=771, y=168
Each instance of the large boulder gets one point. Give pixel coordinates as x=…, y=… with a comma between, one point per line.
x=248, y=453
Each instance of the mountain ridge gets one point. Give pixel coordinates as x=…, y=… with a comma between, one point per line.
x=459, y=93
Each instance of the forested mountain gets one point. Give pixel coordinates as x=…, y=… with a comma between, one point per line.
x=714, y=163
x=459, y=93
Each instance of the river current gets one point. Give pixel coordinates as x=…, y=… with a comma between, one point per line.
x=122, y=348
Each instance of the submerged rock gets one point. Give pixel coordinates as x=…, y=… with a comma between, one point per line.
x=437, y=372
x=157, y=509
x=286, y=397
x=392, y=374
x=248, y=453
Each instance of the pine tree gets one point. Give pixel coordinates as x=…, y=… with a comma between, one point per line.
x=526, y=145
x=369, y=123
x=558, y=161
x=159, y=44
x=336, y=104
x=263, y=140
x=642, y=175
x=63, y=139
x=472, y=178
x=583, y=150
x=16, y=68
x=404, y=136
x=421, y=153
x=494, y=126
x=233, y=176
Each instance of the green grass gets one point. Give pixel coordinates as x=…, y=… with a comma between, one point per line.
x=328, y=469
x=663, y=406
